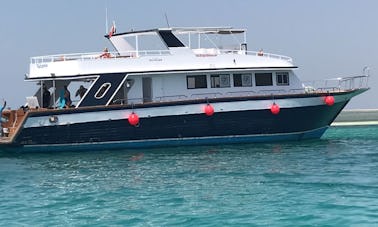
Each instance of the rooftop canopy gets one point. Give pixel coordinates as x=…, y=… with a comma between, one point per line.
x=168, y=38
x=185, y=30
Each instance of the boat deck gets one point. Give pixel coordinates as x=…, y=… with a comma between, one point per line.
x=5, y=140
x=15, y=118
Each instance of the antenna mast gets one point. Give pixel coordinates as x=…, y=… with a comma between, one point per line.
x=106, y=17
x=166, y=20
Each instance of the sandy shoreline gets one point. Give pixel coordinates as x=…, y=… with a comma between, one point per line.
x=357, y=117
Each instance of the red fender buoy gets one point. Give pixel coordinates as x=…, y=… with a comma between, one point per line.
x=275, y=109
x=209, y=110
x=133, y=119
x=329, y=100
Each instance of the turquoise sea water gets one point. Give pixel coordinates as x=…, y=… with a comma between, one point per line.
x=327, y=182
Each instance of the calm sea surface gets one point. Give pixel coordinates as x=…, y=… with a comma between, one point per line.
x=327, y=182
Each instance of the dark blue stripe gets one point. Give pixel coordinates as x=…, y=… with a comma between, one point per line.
x=178, y=142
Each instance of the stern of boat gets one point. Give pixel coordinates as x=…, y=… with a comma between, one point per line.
x=11, y=124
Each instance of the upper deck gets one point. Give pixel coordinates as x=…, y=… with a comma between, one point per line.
x=166, y=48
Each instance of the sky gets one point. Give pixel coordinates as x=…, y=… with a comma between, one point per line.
x=326, y=38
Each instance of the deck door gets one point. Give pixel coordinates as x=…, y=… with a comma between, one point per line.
x=147, y=89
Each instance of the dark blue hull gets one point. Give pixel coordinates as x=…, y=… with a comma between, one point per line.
x=224, y=127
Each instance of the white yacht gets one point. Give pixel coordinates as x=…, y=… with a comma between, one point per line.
x=172, y=87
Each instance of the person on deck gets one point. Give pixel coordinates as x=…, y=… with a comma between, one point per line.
x=260, y=53
x=81, y=91
x=46, y=97
x=1, y=117
x=105, y=53
x=67, y=97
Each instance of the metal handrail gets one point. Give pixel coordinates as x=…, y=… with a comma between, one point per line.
x=257, y=53
x=135, y=54
x=96, y=55
x=337, y=84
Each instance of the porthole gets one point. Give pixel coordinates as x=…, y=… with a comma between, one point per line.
x=101, y=92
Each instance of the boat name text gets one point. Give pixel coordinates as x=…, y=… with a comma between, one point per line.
x=155, y=59
x=44, y=65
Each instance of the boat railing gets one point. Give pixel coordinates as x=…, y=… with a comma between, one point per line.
x=336, y=84
x=96, y=55
x=134, y=54
x=257, y=53
x=270, y=55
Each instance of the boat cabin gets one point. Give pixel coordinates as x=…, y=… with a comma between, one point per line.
x=168, y=64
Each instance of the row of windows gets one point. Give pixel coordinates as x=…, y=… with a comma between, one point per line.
x=240, y=80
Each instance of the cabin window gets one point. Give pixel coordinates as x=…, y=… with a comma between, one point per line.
x=242, y=80
x=102, y=90
x=282, y=78
x=222, y=80
x=263, y=79
x=197, y=81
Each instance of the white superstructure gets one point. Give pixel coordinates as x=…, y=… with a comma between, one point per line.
x=131, y=56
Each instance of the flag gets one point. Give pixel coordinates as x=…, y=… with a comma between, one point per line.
x=112, y=30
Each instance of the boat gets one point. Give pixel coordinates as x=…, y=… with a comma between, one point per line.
x=172, y=87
